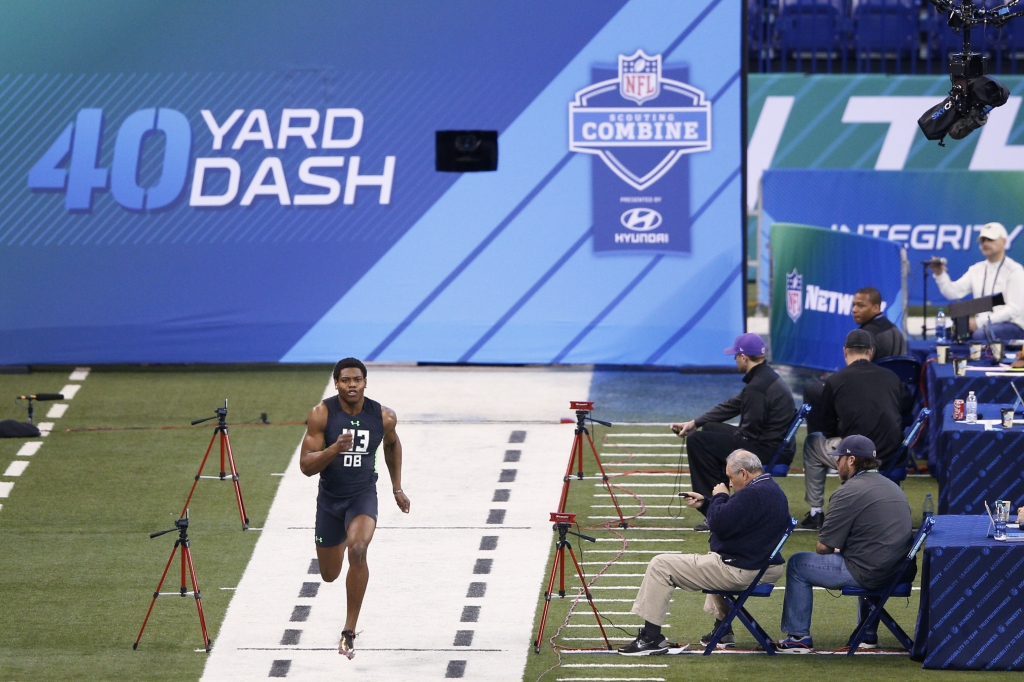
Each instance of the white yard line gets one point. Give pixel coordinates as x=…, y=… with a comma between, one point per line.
x=422, y=563
x=70, y=390
x=80, y=374
x=5, y=488
x=44, y=428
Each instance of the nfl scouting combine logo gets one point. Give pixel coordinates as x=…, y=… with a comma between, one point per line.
x=794, y=295
x=640, y=121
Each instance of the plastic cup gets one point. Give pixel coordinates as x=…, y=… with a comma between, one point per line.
x=960, y=366
x=976, y=351
x=942, y=354
x=1006, y=413
x=996, y=348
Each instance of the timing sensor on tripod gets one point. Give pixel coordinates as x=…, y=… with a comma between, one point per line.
x=563, y=517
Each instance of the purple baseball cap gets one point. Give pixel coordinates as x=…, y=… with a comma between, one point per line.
x=748, y=344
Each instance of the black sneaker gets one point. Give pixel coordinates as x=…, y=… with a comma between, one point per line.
x=641, y=647
x=728, y=640
x=347, y=647
x=813, y=521
x=702, y=527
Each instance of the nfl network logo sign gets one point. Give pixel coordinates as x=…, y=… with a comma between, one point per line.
x=794, y=295
x=665, y=131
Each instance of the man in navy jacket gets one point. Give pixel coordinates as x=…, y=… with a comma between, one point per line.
x=745, y=529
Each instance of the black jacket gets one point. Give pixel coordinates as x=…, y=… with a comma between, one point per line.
x=746, y=527
x=863, y=399
x=889, y=340
x=765, y=407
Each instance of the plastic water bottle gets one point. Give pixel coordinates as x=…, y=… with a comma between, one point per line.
x=928, y=510
x=1001, y=517
x=940, y=325
x=972, y=409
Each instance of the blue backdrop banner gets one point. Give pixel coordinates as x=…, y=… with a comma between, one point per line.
x=929, y=212
x=815, y=274
x=202, y=194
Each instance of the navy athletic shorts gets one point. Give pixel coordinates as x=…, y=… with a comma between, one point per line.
x=333, y=516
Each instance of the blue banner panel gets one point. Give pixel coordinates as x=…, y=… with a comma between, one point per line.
x=201, y=194
x=929, y=212
x=815, y=274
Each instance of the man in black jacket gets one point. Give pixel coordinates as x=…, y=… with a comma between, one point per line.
x=745, y=529
x=862, y=399
x=889, y=341
x=765, y=407
x=867, y=312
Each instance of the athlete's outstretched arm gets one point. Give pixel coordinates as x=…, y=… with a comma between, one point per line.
x=393, y=456
x=314, y=457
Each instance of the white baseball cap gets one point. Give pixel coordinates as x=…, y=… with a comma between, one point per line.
x=992, y=231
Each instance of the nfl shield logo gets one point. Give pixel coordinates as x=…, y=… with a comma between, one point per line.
x=794, y=295
x=639, y=76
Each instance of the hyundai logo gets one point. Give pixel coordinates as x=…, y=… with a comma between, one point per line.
x=641, y=219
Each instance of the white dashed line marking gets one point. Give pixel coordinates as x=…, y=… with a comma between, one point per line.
x=5, y=489
x=70, y=390
x=57, y=411
x=79, y=374
x=44, y=428
x=30, y=448
x=16, y=468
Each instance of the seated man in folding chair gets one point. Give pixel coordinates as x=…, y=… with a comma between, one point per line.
x=867, y=534
x=765, y=407
x=745, y=529
x=862, y=399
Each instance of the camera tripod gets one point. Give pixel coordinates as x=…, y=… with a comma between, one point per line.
x=221, y=415
x=583, y=410
x=562, y=524
x=180, y=525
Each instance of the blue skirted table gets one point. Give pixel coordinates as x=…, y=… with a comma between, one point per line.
x=971, y=615
x=976, y=463
x=943, y=387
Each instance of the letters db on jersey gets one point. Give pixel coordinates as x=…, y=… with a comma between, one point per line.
x=640, y=121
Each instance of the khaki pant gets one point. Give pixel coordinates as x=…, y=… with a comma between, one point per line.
x=693, y=572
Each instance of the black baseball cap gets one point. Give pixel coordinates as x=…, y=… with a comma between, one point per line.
x=856, y=446
x=859, y=338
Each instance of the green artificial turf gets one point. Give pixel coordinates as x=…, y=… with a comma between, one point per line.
x=77, y=566
x=833, y=619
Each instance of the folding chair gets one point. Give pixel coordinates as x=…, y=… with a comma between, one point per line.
x=877, y=598
x=776, y=468
x=908, y=369
x=896, y=470
x=736, y=603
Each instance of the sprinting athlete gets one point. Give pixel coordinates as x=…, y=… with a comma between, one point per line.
x=343, y=435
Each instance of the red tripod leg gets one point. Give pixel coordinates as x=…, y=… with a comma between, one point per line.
x=226, y=444
x=547, y=598
x=186, y=556
x=577, y=447
x=223, y=472
x=198, y=474
x=604, y=477
x=590, y=598
x=155, y=595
